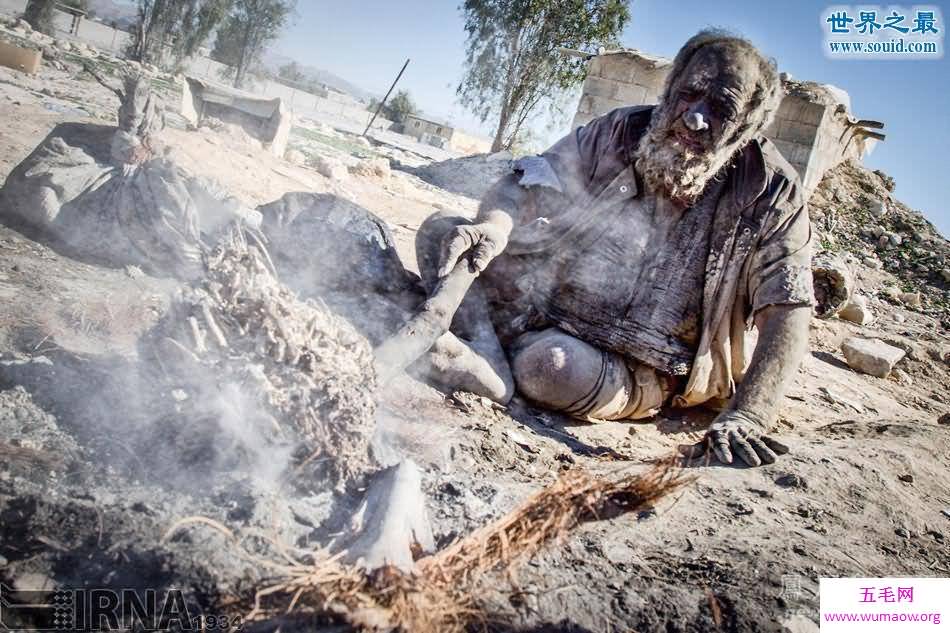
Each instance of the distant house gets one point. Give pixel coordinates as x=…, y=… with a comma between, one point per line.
x=428, y=131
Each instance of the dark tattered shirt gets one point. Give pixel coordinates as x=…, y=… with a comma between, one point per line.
x=588, y=240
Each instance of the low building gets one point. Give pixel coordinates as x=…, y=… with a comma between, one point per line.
x=813, y=128
x=428, y=130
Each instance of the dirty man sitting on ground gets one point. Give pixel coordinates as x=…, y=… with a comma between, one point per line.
x=623, y=267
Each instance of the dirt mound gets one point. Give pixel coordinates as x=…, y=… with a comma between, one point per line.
x=854, y=212
x=469, y=176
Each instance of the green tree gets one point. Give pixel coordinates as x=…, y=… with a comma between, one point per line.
x=512, y=60
x=178, y=27
x=291, y=72
x=39, y=15
x=397, y=108
x=249, y=27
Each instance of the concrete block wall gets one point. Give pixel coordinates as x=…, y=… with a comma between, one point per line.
x=615, y=80
x=795, y=131
x=812, y=136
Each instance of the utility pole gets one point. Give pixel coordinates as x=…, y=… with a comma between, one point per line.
x=383, y=102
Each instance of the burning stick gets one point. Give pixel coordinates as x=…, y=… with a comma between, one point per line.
x=432, y=321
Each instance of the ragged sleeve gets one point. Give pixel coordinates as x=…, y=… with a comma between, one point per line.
x=780, y=271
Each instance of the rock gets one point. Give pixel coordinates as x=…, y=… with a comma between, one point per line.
x=64, y=45
x=899, y=318
x=330, y=168
x=907, y=478
x=944, y=420
x=877, y=208
x=24, y=25
x=376, y=167
x=502, y=155
x=857, y=311
x=871, y=356
x=362, y=140
x=902, y=532
x=877, y=231
x=945, y=273
x=40, y=38
x=939, y=354
x=894, y=239
x=911, y=299
x=791, y=480
x=872, y=262
x=834, y=283
x=33, y=582
x=296, y=157
x=902, y=376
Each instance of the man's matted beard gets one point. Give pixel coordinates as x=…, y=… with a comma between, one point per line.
x=676, y=171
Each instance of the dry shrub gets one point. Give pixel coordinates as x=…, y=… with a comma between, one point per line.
x=440, y=595
x=303, y=373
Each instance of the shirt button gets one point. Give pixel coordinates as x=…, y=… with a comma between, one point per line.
x=623, y=188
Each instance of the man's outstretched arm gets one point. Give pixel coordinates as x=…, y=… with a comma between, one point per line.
x=739, y=430
x=488, y=236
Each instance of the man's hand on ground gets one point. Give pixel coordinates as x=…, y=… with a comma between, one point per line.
x=736, y=435
x=480, y=242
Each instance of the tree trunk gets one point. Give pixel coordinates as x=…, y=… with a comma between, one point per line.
x=507, y=107
x=242, y=59
x=498, y=143
x=39, y=15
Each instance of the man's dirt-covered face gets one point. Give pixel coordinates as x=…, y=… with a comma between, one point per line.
x=692, y=133
x=706, y=99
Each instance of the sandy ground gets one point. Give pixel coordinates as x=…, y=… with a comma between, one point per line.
x=864, y=492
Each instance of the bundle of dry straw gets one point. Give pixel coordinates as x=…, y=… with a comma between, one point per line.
x=439, y=595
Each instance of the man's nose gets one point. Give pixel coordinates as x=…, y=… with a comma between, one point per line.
x=696, y=118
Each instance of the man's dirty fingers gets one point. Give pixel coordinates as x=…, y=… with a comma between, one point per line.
x=741, y=447
x=766, y=454
x=458, y=241
x=719, y=442
x=482, y=254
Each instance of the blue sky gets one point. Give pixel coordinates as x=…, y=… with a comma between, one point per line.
x=366, y=42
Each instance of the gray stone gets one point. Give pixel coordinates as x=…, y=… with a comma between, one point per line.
x=945, y=273
x=877, y=208
x=330, y=168
x=871, y=356
x=857, y=311
x=912, y=299
x=902, y=376
x=872, y=262
x=895, y=239
x=296, y=157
